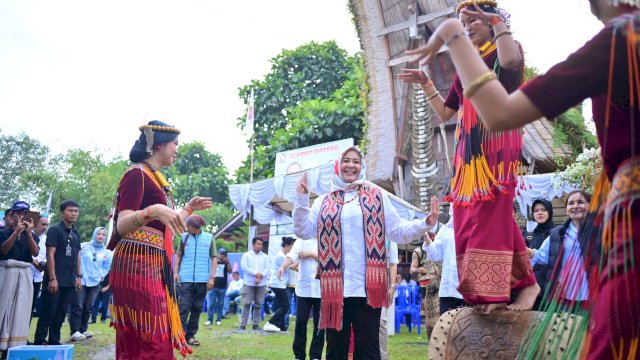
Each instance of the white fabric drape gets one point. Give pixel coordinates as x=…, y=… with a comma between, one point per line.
x=260, y=194
x=548, y=186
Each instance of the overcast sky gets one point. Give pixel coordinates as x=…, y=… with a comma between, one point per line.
x=79, y=73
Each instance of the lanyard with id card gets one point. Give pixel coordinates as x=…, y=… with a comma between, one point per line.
x=68, y=251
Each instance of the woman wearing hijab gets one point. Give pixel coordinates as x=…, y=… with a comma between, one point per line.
x=144, y=309
x=542, y=212
x=95, y=260
x=351, y=224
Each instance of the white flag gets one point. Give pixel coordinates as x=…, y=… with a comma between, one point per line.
x=48, y=211
x=249, y=125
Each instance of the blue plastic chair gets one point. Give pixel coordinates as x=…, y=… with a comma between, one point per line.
x=408, y=306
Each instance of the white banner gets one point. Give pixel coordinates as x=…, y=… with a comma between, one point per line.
x=293, y=161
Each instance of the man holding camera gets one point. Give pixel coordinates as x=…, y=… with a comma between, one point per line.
x=63, y=277
x=17, y=246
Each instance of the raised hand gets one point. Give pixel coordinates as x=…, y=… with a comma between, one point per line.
x=302, y=186
x=413, y=76
x=426, y=52
x=199, y=203
x=432, y=217
x=478, y=15
x=29, y=224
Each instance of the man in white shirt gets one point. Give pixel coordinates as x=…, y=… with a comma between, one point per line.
x=256, y=267
x=307, y=297
x=233, y=293
x=443, y=248
x=39, y=261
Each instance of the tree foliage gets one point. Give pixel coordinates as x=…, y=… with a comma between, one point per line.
x=20, y=157
x=570, y=127
x=311, y=71
x=329, y=104
x=198, y=172
x=30, y=172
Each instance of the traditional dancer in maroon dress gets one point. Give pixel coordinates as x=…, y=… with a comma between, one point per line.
x=144, y=310
x=606, y=69
x=491, y=253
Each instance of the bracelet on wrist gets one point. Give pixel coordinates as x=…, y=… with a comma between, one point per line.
x=495, y=20
x=502, y=33
x=135, y=219
x=455, y=36
x=433, y=96
x=189, y=211
x=478, y=83
x=147, y=215
x=50, y=280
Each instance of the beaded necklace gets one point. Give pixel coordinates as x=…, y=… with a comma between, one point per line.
x=341, y=201
x=161, y=181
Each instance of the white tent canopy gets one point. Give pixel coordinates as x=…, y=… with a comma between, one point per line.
x=272, y=199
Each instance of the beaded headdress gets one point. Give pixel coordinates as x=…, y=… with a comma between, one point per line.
x=467, y=3
x=148, y=131
x=484, y=4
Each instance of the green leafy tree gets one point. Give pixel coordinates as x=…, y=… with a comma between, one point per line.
x=91, y=181
x=21, y=157
x=336, y=116
x=198, y=172
x=311, y=71
x=570, y=127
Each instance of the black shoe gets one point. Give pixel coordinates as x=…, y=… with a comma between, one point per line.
x=93, y=321
x=39, y=343
x=242, y=328
x=255, y=327
x=103, y=321
x=54, y=343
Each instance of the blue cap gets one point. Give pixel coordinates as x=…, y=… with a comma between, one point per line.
x=20, y=206
x=222, y=251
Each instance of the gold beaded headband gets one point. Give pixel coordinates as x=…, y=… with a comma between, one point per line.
x=159, y=128
x=466, y=3
x=148, y=133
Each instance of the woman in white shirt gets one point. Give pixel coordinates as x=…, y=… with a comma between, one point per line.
x=351, y=224
x=279, y=286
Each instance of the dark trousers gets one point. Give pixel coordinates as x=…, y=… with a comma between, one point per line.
x=365, y=321
x=36, y=293
x=191, y=303
x=54, y=308
x=448, y=303
x=304, y=306
x=101, y=305
x=277, y=318
x=81, y=308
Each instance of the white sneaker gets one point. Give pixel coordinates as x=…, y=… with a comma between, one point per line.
x=270, y=327
x=87, y=334
x=218, y=322
x=77, y=336
x=208, y=323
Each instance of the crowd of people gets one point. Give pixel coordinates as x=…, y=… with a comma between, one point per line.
x=48, y=272
x=346, y=252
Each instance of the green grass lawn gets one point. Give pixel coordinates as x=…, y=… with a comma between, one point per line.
x=224, y=342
